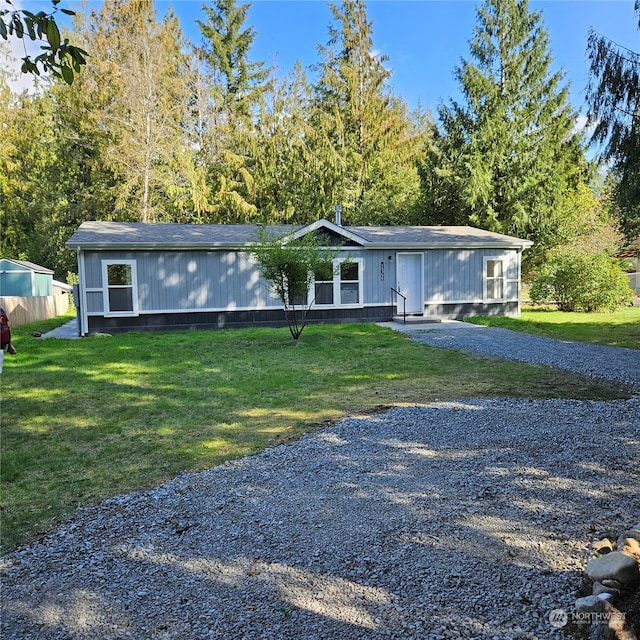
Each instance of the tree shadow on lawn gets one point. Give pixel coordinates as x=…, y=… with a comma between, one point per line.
x=446, y=517
x=87, y=419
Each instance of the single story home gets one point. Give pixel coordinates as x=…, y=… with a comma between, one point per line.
x=24, y=279
x=156, y=276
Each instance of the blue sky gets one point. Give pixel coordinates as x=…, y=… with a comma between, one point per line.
x=425, y=39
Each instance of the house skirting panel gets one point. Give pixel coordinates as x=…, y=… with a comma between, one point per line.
x=232, y=319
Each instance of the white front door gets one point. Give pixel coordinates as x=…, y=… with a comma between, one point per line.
x=410, y=282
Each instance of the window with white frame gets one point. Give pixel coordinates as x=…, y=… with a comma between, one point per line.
x=339, y=286
x=120, y=287
x=349, y=275
x=323, y=286
x=494, y=279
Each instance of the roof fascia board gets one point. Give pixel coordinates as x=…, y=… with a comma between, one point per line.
x=128, y=246
x=478, y=244
x=16, y=263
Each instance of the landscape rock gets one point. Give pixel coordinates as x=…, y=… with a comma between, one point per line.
x=614, y=566
x=603, y=546
x=599, y=588
x=633, y=534
x=613, y=584
x=631, y=547
x=613, y=625
x=589, y=604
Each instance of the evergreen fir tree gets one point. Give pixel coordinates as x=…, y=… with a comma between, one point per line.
x=365, y=136
x=233, y=87
x=286, y=166
x=613, y=95
x=237, y=83
x=507, y=157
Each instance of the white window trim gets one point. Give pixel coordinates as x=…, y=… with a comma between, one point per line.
x=337, y=282
x=485, y=278
x=337, y=289
x=134, y=289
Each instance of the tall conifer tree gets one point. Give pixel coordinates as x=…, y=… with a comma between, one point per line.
x=507, y=157
x=365, y=134
x=27, y=148
x=233, y=87
x=613, y=95
x=286, y=165
x=237, y=82
x=52, y=172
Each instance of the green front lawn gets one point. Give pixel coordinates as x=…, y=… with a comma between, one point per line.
x=619, y=329
x=90, y=418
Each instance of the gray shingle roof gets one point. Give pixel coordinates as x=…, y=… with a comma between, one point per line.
x=29, y=266
x=140, y=234
x=460, y=236
x=113, y=235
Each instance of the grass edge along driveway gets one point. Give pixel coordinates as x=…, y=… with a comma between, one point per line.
x=86, y=419
x=618, y=329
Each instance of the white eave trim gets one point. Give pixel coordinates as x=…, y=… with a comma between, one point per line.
x=208, y=246
x=478, y=244
x=335, y=228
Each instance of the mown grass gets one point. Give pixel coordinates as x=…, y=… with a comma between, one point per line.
x=86, y=419
x=619, y=329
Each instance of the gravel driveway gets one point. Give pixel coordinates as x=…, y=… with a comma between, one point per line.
x=596, y=361
x=470, y=519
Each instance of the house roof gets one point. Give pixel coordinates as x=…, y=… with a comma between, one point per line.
x=139, y=235
x=434, y=237
x=114, y=235
x=62, y=285
x=24, y=265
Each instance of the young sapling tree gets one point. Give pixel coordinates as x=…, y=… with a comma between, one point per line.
x=292, y=265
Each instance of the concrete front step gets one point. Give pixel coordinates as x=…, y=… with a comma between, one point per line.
x=417, y=319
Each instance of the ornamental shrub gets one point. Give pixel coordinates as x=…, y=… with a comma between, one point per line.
x=582, y=282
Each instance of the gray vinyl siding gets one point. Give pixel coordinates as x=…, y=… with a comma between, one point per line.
x=197, y=280
x=94, y=302
x=455, y=275
x=184, y=280
x=377, y=286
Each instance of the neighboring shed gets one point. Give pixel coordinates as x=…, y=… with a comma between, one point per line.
x=23, y=279
x=61, y=288
x=138, y=276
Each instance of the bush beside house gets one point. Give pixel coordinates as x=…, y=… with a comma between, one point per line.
x=582, y=282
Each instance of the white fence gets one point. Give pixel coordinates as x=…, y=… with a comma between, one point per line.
x=22, y=310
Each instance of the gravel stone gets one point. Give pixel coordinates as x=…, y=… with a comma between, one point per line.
x=596, y=361
x=471, y=519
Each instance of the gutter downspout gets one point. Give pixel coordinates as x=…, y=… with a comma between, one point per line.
x=520, y=251
x=83, y=322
